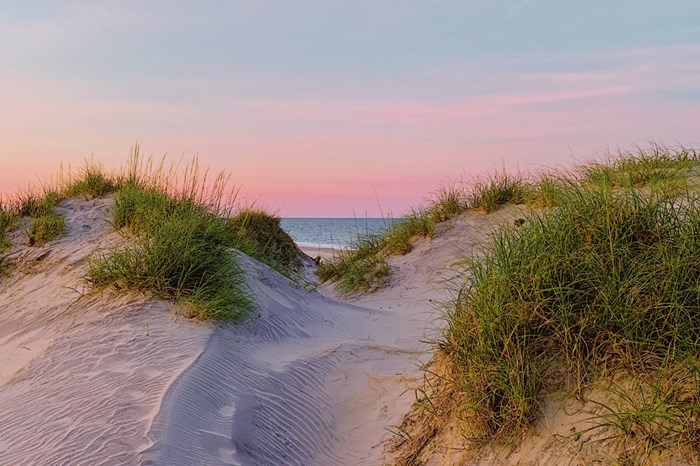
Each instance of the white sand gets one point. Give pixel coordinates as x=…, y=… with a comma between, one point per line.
x=310, y=380
x=81, y=378
x=307, y=379
x=318, y=251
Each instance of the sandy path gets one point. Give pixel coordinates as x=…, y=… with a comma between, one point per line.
x=308, y=379
x=311, y=379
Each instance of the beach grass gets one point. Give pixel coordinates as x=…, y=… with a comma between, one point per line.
x=260, y=235
x=46, y=228
x=363, y=267
x=180, y=229
x=177, y=251
x=40, y=205
x=181, y=232
x=8, y=219
x=658, y=169
x=604, y=285
x=370, y=252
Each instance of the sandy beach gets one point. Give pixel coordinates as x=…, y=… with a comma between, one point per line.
x=309, y=378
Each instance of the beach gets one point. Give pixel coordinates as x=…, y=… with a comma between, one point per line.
x=311, y=377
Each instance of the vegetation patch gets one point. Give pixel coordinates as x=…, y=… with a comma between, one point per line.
x=362, y=268
x=180, y=230
x=180, y=247
x=260, y=235
x=92, y=182
x=606, y=283
x=659, y=170
x=179, y=250
x=46, y=228
x=8, y=219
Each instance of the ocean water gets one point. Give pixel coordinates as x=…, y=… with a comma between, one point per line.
x=332, y=232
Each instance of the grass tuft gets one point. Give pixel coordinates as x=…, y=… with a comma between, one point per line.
x=179, y=250
x=260, y=235
x=498, y=190
x=91, y=182
x=46, y=228
x=8, y=219
x=361, y=268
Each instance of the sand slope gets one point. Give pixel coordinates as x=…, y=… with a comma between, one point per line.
x=307, y=379
x=310, y=379
x=81, y=377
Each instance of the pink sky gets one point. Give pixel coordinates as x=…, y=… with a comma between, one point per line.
x=356, y=137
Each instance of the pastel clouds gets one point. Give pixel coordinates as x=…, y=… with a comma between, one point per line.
x=320, y=108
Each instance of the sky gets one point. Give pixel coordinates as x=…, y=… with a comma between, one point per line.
x=343, y=108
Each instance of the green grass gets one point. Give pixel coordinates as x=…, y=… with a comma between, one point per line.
x=365, y=267
x=8, y=219
x=260, y=235
x=362, y=268
x=46, y=225
x=655, y=168
x=498, y=190
x=181, y=234
x=654, y=412
x=35, y=205
x=46, y=228
x=606, y=281
x=91, y=182
x=179, y=251
x=660, y=170
x=179, y=230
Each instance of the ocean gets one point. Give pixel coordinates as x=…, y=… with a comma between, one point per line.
x=337, y=233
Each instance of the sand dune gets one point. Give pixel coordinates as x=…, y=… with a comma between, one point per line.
x=307, y=379
x=81, y=377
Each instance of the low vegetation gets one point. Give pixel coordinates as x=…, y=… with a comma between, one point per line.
x=260, y=235
x=363, y=267
x=599, y=288
x=8, y=219
x=179, y=233
x=181, y=236
x=46, y=228
x=178, y=251
x=658, y=169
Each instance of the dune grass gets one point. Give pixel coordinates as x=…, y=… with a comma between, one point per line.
x=604, y=284
x=260, y=235
x=364, y=266
x=40, y=205
x=661, y=170
x=46, y=228
x=178, y=251
x=182, y=231
x=8, y=219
